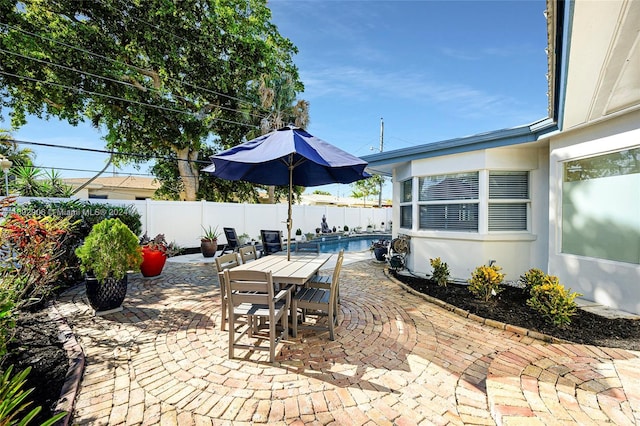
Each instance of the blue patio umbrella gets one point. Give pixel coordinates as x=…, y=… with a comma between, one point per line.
x=288, y=156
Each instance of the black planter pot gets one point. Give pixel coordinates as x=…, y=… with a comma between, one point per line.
x=108, y=295
x=379, y=252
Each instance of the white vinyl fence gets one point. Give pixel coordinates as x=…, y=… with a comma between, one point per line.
x=182, y=221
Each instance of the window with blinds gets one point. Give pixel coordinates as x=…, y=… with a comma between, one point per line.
x=407, y=189
x=440, y=206
x=406, y=207
x=406, y=220
x=460, y=186
x=508, y=200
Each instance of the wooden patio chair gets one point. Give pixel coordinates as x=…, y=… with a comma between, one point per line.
x=324, y=281
x=316, y=300
x=223, y=262
x=252, y=295
x=248, y=253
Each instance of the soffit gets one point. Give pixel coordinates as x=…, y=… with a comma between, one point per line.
x=604, y=61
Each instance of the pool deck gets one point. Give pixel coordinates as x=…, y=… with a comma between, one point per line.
x=398, y=359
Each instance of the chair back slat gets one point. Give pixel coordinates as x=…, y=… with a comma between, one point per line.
x=227, y=261
x=249, y=286
x=307, y=247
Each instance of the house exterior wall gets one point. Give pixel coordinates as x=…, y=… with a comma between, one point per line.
x=515, y=252
x=615, y=284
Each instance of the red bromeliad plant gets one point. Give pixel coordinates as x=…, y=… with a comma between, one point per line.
x=30, y=266
x=155, y=252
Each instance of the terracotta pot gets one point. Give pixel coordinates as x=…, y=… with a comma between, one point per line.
x=208, y=247
x=108, y=295
x=152, y=262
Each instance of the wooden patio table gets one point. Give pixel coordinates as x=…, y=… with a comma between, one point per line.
x=296, y=271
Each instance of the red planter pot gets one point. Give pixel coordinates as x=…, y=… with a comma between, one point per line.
x=152, y=262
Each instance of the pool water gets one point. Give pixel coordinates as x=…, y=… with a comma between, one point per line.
x=334, y=244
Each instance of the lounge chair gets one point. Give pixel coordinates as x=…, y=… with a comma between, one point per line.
x=233, y=243
x=271, y=242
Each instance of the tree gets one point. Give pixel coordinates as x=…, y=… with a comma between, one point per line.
x=277, y=96
x=160, y=77
x=366, y=187
x=26, y=179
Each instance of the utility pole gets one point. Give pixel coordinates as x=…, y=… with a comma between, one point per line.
x=381, y=147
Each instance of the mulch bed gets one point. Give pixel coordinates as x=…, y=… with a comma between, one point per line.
x=509, y=306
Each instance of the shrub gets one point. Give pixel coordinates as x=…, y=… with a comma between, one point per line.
x=13, y=400
x=440, y=271
x=7, y=322
x=84, y=214
x=532, y=278
x=31, y=265
x=109, y=251
x=485, y=282
x=553, y=301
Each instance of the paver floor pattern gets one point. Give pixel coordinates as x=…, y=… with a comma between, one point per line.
x=397, y=359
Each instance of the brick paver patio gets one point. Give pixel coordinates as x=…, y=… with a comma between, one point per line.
x=397, y=360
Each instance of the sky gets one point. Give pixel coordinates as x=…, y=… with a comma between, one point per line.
x=430, y=70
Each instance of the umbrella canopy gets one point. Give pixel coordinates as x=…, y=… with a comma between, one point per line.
x=288, y=156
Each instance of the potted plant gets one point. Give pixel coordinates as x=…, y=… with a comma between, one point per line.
x=155, y=253
x=209, y=241
x=106, y=255
x=379, y=249
x=298, y=234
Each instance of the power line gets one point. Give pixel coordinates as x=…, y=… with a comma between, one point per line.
x=122, y=99
x=42, y=61
x=104, y=151
x=136, y=68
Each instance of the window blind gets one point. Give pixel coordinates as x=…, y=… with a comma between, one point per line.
x=508, y=217
x=449, y=217
x=509, y=185
x=461, y=186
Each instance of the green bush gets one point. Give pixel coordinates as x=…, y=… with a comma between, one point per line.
x=532, y=278
x=110, y=250
x=84, y=215
x=7, y=321
x=485, y=282
x=440, y=271
x=553, y=301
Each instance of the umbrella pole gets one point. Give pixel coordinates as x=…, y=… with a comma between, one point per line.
x=289, y=221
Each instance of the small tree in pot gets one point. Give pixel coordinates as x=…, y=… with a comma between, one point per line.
x=107, y=254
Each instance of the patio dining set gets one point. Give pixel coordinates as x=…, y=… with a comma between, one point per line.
x=263, y=297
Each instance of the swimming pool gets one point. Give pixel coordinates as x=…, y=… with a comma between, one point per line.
x=335, y=243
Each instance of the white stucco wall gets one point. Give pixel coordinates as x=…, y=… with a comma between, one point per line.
x=515, y=252
x=615, y=284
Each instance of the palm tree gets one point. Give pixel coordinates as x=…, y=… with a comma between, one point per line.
x=278, y=99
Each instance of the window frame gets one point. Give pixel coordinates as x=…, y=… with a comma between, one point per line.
x=504, y=201
x=460, y=201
